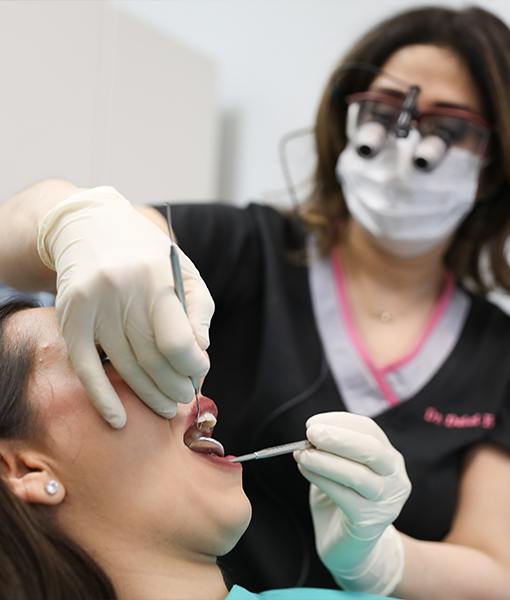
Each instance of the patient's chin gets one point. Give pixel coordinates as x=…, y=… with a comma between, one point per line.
x=226, y=527
x=236, y=530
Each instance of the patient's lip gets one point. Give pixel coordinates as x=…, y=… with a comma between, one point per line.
x=224, y=461
x=206, y=405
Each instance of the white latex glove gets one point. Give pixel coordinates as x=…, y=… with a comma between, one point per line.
x=115, y=289
x=359, y=486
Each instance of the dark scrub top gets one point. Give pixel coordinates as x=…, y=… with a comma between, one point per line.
x=239, y=593
x=269, y=373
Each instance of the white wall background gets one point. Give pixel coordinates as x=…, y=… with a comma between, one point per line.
x=273, y=58
x=96, y=95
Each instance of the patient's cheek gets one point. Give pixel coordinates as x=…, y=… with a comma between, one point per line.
x=63, y=408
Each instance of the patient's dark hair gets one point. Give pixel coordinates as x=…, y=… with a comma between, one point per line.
x=38, y=561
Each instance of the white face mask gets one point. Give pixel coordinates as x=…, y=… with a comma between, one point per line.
x=408, y=211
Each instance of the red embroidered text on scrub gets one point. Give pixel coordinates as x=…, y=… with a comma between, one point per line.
x=453, y=421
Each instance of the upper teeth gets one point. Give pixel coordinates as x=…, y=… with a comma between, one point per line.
x=206, y=421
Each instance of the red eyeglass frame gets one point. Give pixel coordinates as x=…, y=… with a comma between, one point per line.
x=373, y=96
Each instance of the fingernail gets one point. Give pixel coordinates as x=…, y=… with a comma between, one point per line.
x=203, y=341
x=188, y=398
x=118, y=421
x=167, y=414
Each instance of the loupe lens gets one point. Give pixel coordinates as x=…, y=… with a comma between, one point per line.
x=431, y=151
x=374, y=120
x=370, y=139
x=457, y=132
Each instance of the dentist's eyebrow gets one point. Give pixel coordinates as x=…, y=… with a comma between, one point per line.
x=388, y=91
x=456, y=105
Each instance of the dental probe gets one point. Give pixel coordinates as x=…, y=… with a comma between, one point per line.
x=274, y=451
x=202, y=444
x=179, y=286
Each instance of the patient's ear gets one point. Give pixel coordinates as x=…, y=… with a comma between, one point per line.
x=30, y=478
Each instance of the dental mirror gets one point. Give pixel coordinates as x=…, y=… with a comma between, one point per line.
x=207, y=445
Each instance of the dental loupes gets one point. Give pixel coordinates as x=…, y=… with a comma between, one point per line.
x=274, y=451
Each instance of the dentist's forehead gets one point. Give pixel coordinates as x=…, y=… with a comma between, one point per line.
x=442, y=76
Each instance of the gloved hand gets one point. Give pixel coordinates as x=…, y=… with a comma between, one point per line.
x=115, y=289
x=359, y=486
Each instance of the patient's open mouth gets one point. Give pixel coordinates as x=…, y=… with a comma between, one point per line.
x=198, y=435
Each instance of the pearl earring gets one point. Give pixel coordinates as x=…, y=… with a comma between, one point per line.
x=51, y=488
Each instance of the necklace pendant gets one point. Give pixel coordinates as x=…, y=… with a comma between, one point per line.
x=385, y=316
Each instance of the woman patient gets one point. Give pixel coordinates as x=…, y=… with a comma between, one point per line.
x=92, y=513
